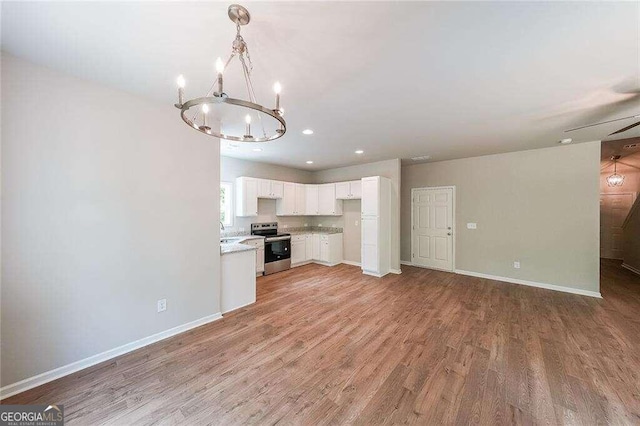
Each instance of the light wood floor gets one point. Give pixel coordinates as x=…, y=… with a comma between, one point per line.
x=329, y=345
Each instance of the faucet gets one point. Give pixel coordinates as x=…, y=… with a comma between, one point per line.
x=221, y=226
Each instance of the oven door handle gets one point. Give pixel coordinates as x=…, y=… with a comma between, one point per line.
x=268, y=240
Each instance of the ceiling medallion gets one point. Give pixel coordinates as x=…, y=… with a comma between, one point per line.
x=615, y=179
x=221, y=116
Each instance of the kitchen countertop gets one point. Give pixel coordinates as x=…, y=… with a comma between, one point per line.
x=314, y=230
x=226, y=248
x=293, y=233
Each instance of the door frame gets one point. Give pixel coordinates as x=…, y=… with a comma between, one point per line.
x=453, y=226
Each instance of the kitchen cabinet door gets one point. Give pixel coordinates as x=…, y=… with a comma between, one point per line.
x=287, y=204
x=370, y=258
x=277, y=189
x=316, y=246
x=246, y=197
x=311, y=200
x=264, y=188
x=324, y=250
x=308, y=247
x=260, y=260
x=327, y=203
x=343, y=190
x=356, y=189
x=370, y=196
x=300, y=200
x=298, y=251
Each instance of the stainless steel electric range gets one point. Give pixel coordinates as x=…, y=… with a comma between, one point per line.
x=277, y=247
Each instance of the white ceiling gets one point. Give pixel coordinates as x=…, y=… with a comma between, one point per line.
x=397, y=80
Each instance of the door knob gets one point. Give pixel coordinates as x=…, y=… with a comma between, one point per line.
x=448, y=233
x=448, y=227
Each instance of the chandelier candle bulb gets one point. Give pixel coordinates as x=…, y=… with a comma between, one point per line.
x=247, y=120
x=181, y=84
x=277, y=88
x=205, y=111
x=220, y=69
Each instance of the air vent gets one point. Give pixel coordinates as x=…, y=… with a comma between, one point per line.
x=421, y=158
x=632, y=146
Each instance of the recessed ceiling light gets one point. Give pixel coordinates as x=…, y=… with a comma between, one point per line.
x=309, y=162
x=307, y=132
x=359, y=151
x=257, y=149
x=421, y=158
x=565, y=141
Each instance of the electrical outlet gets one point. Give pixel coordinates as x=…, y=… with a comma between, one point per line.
x=516, y=265
x=306, y=224
x=357, y=223
x=320, y=225
x=162, y=305
x=285, y=226
x=472, y=226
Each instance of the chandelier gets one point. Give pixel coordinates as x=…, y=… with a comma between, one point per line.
x=615, y=179
x=224, y=117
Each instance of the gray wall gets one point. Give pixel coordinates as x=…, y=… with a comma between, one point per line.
x=631, y=238
x=109, y=204
x=540, y=207
x=389, y=169
x=232, y=168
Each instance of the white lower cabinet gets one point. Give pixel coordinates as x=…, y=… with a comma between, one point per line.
x=259, y=244
x=308, y=247
x=298, y=249
x=321, y=248
x=315, y=246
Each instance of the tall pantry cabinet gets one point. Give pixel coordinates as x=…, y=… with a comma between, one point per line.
x=376, y=226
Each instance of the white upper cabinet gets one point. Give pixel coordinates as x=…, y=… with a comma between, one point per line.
x=328, y=204
x=277, y=189
x=311, y=200
x=301, y=197
x=370, y=197
x=356, y=189
x=246, y=196
x=349, y=190
x=293, y=199
x=270, y=189
x=343, y=189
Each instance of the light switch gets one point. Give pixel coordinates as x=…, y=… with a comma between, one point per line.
x=356, y=223
x=472, y=225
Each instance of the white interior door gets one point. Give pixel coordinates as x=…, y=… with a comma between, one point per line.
x=614, y=209
x=432, y=233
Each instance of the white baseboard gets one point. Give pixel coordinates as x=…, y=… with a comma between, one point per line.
x=395, y=271
x=238, y=307
x=373, y=274
x=48, y=376
x=631, y=268
x=352, y=263
x=404, y=262
x=531, y=283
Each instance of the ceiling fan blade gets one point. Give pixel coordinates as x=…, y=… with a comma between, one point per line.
x=624, y=129
x=602, y=122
